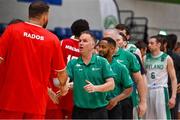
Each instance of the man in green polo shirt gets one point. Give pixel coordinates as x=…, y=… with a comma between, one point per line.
x=93, y=77
x=123, y=81
x=133, y=66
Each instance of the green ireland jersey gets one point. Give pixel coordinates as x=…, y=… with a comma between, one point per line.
x=97, y=71
x=122, y=79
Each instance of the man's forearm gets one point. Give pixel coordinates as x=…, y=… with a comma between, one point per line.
x=62, y=76
x=109, y=85
x=141, y=86
x=127, y=92
x=174, y=87
x=142, y=90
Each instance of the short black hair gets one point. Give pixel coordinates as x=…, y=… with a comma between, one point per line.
x=171, y=41
x=110, y=41
x=123, y=27
x=141, y=44
x=37, y=8
x=79, y=26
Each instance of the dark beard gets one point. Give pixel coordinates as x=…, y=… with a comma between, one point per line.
x=104, y=55
x=45, y=24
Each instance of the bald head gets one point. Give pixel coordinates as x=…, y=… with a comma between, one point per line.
x=112, y=33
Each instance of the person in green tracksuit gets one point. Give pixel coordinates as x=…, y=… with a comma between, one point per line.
x=93, y=77
x=123, y=81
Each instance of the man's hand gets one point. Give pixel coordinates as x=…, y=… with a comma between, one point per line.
x=142, y=109
x=70, y=85
x=112, y=103
x=89, y=87
x=53, y=96
x=172, y=102
x=63, y=90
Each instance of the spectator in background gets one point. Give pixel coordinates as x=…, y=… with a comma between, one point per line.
x=142, y=47
x=177, y=48
x=92, y=77
x=2, y=28
x=29, y=52
x=169, y=45
x=14, y=21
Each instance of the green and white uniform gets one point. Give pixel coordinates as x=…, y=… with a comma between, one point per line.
x=157, y=78
x=122, y=79
x=97, y=71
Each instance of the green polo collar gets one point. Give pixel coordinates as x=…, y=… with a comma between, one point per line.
x=118, y=52
x=93, y=59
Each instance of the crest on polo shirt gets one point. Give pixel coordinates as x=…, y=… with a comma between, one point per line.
x=95, y=68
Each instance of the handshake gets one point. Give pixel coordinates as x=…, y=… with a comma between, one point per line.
x=63, y=90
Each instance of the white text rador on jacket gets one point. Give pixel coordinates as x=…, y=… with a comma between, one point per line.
x=33, y=36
